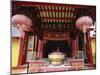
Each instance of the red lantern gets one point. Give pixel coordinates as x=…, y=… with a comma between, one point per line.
x=84, y=22
x=22, y=22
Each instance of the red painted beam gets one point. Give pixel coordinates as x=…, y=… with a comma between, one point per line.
x=25, y=3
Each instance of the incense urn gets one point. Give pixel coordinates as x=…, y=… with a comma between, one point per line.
x=56, y=58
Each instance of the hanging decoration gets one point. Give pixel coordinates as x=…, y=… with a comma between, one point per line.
x=22, y=22
x=83, y=23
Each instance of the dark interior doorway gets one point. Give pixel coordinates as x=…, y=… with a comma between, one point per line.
x=51, y=46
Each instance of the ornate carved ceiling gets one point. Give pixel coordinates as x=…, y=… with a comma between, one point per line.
x=51, y=16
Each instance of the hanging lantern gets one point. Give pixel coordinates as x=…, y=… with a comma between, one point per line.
x=84, y=22
x=22, y=22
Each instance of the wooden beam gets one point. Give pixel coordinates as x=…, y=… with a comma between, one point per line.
x=24, y=3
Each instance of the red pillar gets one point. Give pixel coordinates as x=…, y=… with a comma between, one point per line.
x=20, y=58
x=89, y=48
x=40, y=49
x=75, y=46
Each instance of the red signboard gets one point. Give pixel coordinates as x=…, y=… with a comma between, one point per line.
x=76, y=63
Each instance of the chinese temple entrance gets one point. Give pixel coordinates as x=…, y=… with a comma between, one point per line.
x=52, y=26
x=51, y=46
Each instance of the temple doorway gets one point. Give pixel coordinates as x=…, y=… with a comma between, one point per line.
x=52, y=46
